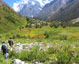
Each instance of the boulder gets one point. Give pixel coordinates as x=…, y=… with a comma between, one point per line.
x=17, y=61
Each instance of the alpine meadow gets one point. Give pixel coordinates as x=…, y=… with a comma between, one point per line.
x=39, y=32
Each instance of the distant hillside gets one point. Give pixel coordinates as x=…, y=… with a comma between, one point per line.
x=48, y=10
x=61, y=10
x=68, y=13
x=9, y=19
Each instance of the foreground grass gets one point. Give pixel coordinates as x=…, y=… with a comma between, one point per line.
x=65, y=41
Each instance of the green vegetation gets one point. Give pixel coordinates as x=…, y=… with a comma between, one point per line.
x=39, y=23
x=63, y=37
x=34, y=54
x=64, y=42
x=4, y=61
x=9, y=20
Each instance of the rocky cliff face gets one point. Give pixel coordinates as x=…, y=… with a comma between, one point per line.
x=71, y=11
x=60, y=10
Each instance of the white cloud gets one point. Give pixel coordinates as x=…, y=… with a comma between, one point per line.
x=17, y=6
x=33, y=3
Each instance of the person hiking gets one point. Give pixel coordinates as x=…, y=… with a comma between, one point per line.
x=10, y=41
x=4, y=49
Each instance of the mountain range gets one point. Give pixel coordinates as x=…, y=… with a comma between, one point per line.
x=30, y=8
x=61, y=10
x=71, y=11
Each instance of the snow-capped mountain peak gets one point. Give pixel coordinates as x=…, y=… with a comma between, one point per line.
x=17, y=6
x=44, y=2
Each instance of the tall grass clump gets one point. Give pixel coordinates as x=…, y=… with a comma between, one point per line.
x=37, y=54
x=34, y=54
x=63, y=58
x=2, y=59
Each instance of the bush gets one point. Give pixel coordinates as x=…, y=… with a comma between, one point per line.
x=63, y=58
x=60, y=37
x=37, y=54
x=52, y=50
x=63, y=37
x=0, y=36
x=2, y=60
x=48, y=34
x=18, y=36
x=34, y=54
x=23, y=55
x=13, y=54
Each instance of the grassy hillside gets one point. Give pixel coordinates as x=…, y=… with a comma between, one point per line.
x=9, y=19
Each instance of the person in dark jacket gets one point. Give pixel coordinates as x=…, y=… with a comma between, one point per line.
x=4, y=49
x=10, y=41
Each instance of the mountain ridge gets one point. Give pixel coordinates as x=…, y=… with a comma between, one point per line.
x=55, y=9
x=68, y=13
x=9, y=19
x=30, y=8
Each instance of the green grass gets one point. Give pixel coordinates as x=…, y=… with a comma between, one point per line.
x=62, y=42
x=9, y=20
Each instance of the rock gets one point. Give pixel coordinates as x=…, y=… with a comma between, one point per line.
x=74, y=63
x=18, y=47
x=17, y=61
x=0, y=47
x=26, y=63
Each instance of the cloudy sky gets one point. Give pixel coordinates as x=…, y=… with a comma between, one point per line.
x=10, y=2
x=17, y=4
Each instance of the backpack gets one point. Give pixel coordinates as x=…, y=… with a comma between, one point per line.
x=4, y=49
x=10, y=42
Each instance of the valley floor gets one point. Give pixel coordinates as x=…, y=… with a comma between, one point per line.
x=46, y=45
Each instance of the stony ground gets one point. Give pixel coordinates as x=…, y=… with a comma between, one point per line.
x=18, y=47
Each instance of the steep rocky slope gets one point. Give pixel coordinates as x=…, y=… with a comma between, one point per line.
x=62, y=10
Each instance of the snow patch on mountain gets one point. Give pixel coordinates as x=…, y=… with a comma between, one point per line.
x=44, y=2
